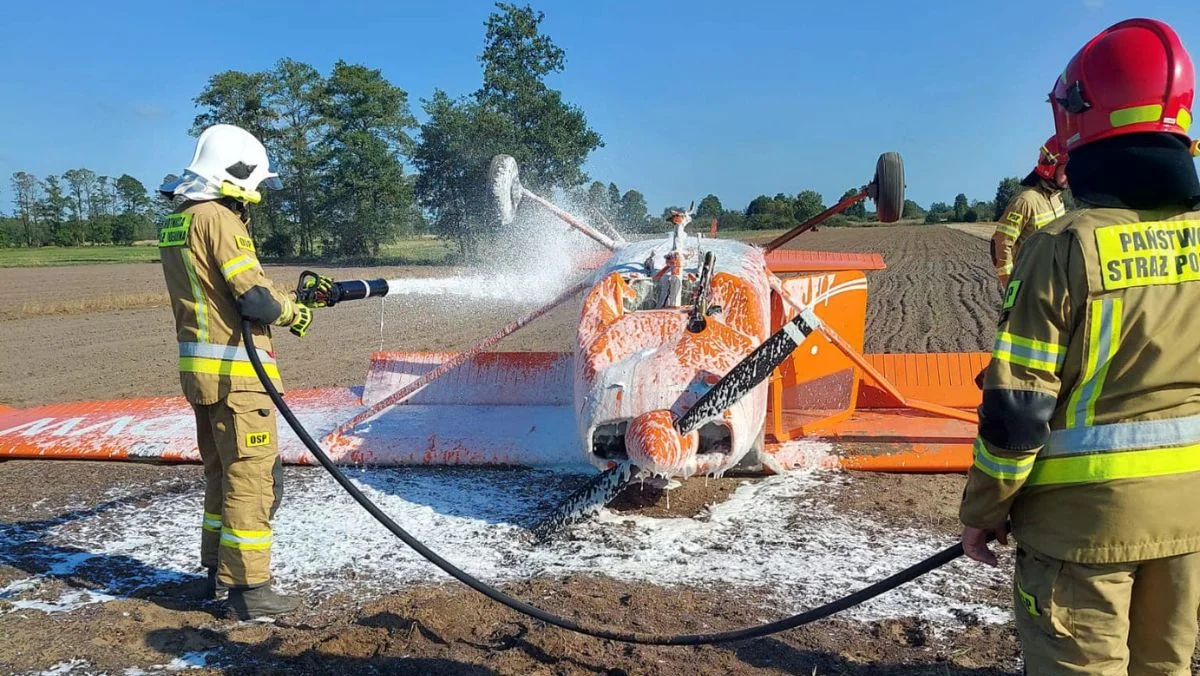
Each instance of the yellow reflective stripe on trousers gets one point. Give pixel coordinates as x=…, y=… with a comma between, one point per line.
x=222, y=367
x=996, y=467
x=236, y=266
x=245, y=539
x=1027, y=352
x=1103, y=339
x=212, y=522
x=1073, y=469
x=198, y=297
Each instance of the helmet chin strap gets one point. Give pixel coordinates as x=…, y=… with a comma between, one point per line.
x=240, y=194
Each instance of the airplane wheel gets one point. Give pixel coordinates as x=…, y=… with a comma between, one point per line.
x=888, y=188
x=506, y=186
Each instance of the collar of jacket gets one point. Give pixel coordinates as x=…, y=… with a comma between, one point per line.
x=1135, y=171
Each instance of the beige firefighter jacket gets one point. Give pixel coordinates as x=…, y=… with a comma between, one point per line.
x=1098, y=336
x=210, y=266
x=1028, y=211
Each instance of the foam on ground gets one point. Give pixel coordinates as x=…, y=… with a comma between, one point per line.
x=777, y=534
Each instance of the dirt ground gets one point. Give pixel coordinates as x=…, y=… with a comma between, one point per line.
x=938, y=293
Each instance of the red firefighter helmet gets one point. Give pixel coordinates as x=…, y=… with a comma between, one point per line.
x=1133, y=77
x=1049, y=158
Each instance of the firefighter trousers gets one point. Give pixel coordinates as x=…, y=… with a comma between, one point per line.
x=243, y=484
x=1137, y=618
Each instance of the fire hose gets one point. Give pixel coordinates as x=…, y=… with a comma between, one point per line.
x=636, y=637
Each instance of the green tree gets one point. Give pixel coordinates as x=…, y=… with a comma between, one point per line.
x=858, y=210
x=808, y=204
x=514, y=112
x=912, y=210
x=369, y=199
x=131, y=195
x=234, y=97
x=79, y=183
x=26, y=196
x=614, y=200
x=760, y=205
x=984, y=211
x=552, y=137
x=939, y=212
x=597, y=196
x=53, y=209
x=731, y=220
x=633, y=212
x=765, y=213
x=709, y=208
x=960, y=207
x=296, y=94
x=452, y=158
x=1005, y=191
x=133, y=220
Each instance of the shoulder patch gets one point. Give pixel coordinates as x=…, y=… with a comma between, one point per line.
x=245, y=243
x=1015, y=217
x=1010, y=294
x=174, y=231
x=254, y=439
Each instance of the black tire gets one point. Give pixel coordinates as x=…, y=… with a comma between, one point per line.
x=889, y=188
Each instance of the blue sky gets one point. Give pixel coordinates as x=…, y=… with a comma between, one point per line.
x=735, y=98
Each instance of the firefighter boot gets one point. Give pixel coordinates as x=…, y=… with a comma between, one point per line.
x=215, y=590
x=260, y=601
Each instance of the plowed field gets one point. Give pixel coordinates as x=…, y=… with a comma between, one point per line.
x=61, y=339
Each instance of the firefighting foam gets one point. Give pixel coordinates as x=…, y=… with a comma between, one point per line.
x=478, y=514
x=531, y=260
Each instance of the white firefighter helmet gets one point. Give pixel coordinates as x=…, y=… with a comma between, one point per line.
x=234, y=160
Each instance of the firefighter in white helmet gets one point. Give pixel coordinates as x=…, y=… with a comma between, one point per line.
x=214, y=280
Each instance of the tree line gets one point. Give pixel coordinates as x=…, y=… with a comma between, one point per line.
x=77, y=207
x=962, y=210
x=359, y=171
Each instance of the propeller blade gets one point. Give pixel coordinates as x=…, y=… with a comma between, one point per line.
x=587, y=500
x=749, y=372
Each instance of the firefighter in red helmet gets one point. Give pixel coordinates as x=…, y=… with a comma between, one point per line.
x=1089, y=429
x=1037, y=203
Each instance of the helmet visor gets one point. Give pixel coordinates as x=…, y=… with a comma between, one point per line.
x=272, y=183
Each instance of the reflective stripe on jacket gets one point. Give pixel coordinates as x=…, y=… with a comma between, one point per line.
x=1099, y=318
x=209, y=262
x=1028, y=211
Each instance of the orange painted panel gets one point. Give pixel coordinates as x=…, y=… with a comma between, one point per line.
x=818, y=378
x=940, y=378
x=796, y=260
x=918, y=458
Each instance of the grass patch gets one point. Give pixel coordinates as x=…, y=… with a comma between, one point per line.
x=107, y=303
x=421, y=251
x=76, y=255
